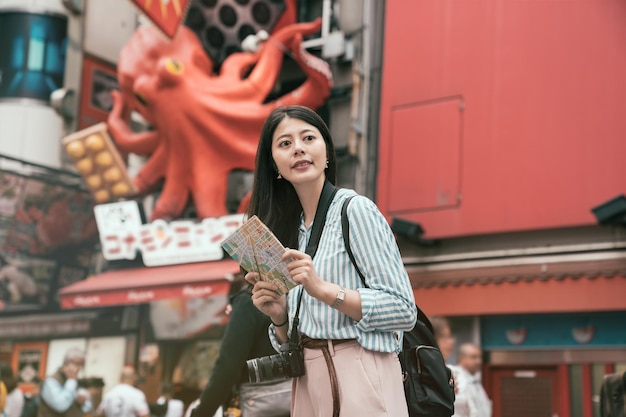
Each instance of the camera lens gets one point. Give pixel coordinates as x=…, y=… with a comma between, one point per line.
x=267, y=368
x=253, y=371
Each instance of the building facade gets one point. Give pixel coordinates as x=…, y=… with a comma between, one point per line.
x=500, y=130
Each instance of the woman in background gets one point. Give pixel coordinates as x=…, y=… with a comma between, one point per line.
x=245, y=338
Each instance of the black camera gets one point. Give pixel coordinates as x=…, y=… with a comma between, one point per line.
x=283, y=365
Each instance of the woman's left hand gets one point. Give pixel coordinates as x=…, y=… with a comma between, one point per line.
x=303, y=272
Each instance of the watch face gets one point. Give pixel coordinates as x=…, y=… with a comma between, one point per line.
x=340, y=297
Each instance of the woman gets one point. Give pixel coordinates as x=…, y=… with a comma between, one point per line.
x=443, y=335
x=245, y=338
x=351, y=333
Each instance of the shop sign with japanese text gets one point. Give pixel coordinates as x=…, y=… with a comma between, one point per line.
x=123, y=235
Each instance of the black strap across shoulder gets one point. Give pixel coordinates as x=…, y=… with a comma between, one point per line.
x=345, y=231
x=328, y=193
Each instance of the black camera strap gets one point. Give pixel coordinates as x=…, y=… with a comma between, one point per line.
x=328, y=193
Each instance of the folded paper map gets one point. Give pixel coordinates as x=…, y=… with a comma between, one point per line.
x=257, y=249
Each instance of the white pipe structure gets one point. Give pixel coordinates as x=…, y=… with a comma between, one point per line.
x=326, y=14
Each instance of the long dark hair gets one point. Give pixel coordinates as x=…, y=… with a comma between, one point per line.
x=274, y=200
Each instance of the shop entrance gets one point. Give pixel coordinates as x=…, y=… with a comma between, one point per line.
x=526, y=392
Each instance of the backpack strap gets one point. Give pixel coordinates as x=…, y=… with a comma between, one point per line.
x=421, y=316
x=345, y=231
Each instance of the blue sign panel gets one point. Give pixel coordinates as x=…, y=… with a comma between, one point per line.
x=554, y=330
x=32, y=54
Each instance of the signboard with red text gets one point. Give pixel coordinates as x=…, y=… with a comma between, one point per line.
x=123, y=235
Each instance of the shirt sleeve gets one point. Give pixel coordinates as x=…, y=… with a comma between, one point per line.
x=86, y=407
x=271, y=330
x=14, y=404
x=461, y=403
x=140, y=407
x=59, y=397
x=387, y=303
x=237, y=343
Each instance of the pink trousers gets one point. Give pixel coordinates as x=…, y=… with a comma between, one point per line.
x=370, y=384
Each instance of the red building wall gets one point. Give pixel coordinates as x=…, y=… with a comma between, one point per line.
x=502, y=115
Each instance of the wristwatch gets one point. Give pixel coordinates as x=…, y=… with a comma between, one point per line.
x=341, y=295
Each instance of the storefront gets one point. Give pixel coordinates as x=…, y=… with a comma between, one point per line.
x=557, y=360
x=550, y=326
x=47, y=238
x=35, y=344
x=182, y=310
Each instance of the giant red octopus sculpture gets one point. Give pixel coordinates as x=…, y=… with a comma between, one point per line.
x=205, y=124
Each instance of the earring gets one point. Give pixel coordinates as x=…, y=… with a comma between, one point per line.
x=279, y=176
x=326, y=163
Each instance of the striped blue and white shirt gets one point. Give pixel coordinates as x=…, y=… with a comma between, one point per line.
x=388, y=305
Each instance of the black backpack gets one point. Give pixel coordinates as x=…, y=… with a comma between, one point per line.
x=428, y=382
x=613, y=396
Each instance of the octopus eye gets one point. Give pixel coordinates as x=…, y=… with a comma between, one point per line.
x=173, y=66
x=141, y=99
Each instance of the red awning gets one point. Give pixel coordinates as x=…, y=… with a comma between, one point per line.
x=517, y=287
x=600, y=293
x=142, y=285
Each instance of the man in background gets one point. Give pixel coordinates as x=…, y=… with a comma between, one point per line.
x=124, y=399
x=173, y=407
x=613, y=395
x=471, y=398
x=59, y=391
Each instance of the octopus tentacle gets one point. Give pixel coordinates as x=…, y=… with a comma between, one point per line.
x=152, y=171
x=127, y=140
x=314, y=91
x=172, y=201
x=271, y=56
x=204, y=119
x=236, y=65
x=210, y=197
